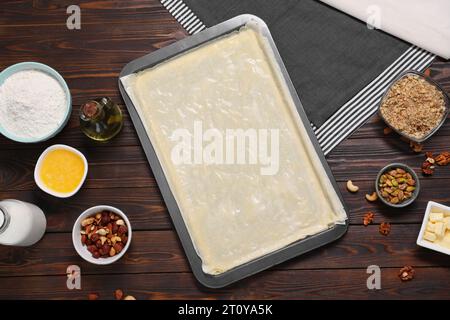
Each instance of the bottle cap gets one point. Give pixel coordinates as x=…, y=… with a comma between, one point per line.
x=90, y=109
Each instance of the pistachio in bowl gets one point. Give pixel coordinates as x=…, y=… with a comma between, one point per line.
x=397, y=185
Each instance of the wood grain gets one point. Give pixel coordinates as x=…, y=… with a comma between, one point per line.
x=291, y=284
x=160, y=251
x=126, y=166
x=147, y=210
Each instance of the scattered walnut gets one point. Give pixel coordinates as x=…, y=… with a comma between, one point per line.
x=443, y=159
x=385, y=228
x=417, y=147
x=428, y=164
x=406, y=273
x=368, y=218
x=427, y=168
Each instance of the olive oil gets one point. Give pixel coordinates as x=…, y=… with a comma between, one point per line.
x=101, y=119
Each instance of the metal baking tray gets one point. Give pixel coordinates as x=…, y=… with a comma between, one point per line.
x=295, y=249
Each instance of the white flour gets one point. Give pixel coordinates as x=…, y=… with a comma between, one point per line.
x=32, y=104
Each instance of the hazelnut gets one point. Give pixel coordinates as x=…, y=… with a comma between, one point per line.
x=106, y=248
x=105, y=218
x=118, y=247
x=95, y=237
x=122, y=230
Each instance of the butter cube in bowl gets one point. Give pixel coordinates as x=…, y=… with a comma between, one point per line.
x=435, y=231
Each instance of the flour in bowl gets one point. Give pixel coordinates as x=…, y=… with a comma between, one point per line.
x=33, y=104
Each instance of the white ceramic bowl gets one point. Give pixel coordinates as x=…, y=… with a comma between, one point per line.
x=38, y=166
x=82, y=249
x=432, y=207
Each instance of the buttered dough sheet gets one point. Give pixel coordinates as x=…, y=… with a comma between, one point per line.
x=233, y=212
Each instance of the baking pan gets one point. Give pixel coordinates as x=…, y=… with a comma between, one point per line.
x=297, y=248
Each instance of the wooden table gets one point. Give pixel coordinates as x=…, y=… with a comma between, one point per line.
x=114, y=33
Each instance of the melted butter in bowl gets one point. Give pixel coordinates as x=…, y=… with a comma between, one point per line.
x=61, y=171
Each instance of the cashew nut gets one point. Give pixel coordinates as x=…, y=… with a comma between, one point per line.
x=87, y=222
x=372, y=197
x=115, y=239
x=103, y=232
x=120, y=222
x=351, y=187
x=129, y=298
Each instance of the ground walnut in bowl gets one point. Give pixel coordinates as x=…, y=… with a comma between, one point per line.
x=414, y=106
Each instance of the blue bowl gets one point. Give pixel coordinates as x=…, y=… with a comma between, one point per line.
x=52, y=72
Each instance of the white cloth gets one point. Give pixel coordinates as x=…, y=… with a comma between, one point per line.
x=425, y=23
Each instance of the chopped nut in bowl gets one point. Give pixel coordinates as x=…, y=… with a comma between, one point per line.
x=397, y=185
x=414, y=106
x=101, y=235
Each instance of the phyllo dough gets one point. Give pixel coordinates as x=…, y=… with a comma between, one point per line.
x=233, y=213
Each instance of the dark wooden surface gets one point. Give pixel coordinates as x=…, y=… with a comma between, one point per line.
x=114, y=33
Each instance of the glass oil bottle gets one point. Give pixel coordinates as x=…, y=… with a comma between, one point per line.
x=101, y=119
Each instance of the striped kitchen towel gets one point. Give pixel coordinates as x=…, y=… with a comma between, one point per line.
x=338, y=65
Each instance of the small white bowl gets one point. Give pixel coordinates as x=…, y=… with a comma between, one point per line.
x=432, y=207
x=37, y=169
x=82, y=249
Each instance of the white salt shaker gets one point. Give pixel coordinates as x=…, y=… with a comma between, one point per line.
x=21, y=223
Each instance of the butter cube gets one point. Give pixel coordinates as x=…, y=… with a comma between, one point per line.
x=447, y=237
x=447, y=222
x=439, y=229
x=429, y=236
x=436, y=216
x=431, y=226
